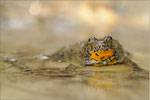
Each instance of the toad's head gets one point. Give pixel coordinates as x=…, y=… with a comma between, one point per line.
x=100, y=51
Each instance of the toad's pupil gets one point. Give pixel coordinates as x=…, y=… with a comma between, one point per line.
x=108, y=38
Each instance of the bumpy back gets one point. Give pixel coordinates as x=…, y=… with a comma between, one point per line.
x=93, y=52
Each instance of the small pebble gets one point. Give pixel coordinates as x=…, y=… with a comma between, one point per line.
x=12, y=60
x=44, y=57
x=59, y=60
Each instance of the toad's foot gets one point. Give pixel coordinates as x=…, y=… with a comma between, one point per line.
x=132, y=64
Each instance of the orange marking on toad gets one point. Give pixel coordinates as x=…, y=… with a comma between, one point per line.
x=101, y=56
x=97, y=55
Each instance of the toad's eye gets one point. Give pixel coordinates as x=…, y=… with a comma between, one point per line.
x=108, y=38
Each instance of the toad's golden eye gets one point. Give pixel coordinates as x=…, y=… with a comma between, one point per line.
x=103, y=57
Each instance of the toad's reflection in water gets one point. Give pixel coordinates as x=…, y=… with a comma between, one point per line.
x=111, y=77
x=100, y=82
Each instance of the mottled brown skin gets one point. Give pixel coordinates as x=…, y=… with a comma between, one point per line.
x=95, y=52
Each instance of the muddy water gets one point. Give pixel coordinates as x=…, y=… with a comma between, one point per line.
x=37, y=78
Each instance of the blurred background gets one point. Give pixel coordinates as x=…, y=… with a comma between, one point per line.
x=45, y=26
